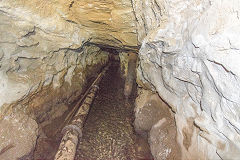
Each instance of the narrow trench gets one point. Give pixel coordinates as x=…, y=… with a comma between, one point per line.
x=108, y=132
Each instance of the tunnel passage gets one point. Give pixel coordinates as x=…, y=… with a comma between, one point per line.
x=189, y=58
x=108, y=132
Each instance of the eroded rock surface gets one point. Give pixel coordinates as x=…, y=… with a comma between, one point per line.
x=18, y=136
x=190, y=56
x=155, y=121
x=41, y=74
x=109, y=22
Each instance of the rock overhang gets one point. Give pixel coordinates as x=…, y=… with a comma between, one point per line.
x=103, y=22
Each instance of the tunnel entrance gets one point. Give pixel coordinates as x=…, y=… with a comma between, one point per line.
x=108, y=132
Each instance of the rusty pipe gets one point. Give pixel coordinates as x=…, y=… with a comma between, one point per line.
x=73, y=131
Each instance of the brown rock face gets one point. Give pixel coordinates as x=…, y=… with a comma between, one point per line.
x=49, y=50
x=154, y=120
x=105, y=22
x=18, y=136
x=109, y=22
x=43, y=69
x=44, y=62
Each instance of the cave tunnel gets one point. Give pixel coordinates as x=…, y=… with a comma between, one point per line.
x=123, y=79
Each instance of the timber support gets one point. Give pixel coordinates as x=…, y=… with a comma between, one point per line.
x=131, y=74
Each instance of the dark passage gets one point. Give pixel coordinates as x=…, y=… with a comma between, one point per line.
x=108, y=132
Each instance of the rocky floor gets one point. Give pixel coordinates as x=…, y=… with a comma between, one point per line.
x=108, y=132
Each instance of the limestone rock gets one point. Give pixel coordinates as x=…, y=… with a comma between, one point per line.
x=109, y=22
x=40, y=70
x=154, y=120
x=18, y=137
x=190, y=56
x=149, y=110
x=162, y=140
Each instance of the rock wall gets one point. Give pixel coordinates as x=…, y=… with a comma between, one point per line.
x=109, y=22
x=41, y=73
x=190, y=56
x=155, y=121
